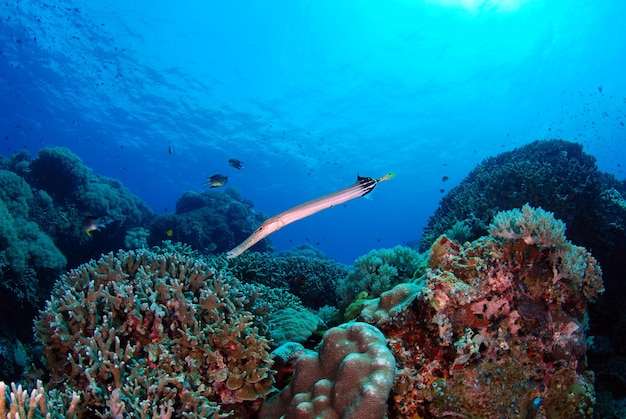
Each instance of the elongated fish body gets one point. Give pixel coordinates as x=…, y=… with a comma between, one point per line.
x=363, y=186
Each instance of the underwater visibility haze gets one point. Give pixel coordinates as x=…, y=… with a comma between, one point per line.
x=310, y=94
x=499, y=123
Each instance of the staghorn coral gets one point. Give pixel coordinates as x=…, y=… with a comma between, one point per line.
x=38, y=404
x=349, y=378
x=497, y=330
x=147, y=331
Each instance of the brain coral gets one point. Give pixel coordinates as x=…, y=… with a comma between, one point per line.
x=139, y=332
x=349, y=378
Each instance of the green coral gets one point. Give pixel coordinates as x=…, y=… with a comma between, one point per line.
x=291, y=325
x=148, y=330
x=379, y=270
x=29, y=258
x=554, y=174
x=308, y=278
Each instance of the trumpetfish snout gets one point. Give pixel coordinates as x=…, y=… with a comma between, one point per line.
x=363, y=186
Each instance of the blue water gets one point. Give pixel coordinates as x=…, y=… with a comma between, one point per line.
x=308, y=94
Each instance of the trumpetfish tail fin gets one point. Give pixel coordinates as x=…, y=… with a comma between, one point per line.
x=363, y=186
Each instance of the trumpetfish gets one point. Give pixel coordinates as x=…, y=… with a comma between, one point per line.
x=363, y=186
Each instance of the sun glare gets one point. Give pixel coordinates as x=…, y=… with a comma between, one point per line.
x=477, y=6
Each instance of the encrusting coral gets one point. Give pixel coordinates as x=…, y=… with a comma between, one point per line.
x=147, y=331
x=495, y=328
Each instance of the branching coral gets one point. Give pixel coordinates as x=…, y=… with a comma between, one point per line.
x=37, y=404
x=153, y=330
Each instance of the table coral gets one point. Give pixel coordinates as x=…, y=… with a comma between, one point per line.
x=144, y=331
x=493, y=333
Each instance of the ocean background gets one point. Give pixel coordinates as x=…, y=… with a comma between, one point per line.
x=308, y=94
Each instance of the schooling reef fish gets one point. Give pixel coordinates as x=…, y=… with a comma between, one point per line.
x=363, y=186
x=216, y=181
x=237, y=164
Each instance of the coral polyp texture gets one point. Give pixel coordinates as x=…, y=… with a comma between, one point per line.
x=147, y=332
x=350, y=378
x=498, y=329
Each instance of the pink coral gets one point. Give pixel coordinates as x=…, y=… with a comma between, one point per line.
x=490, y=332
x=349, y=378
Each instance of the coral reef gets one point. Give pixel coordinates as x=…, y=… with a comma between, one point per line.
x=76, y=192
x=556, y=175
x=496, y=327
x=145, y=331
x=308, y=278
x=560, y=177
x=43, y=203
x=379, y=270
x=349, y=378
x=212, y=221
x=29, y=259
x=64, y=192
x=38, y=404
x=291, y=325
